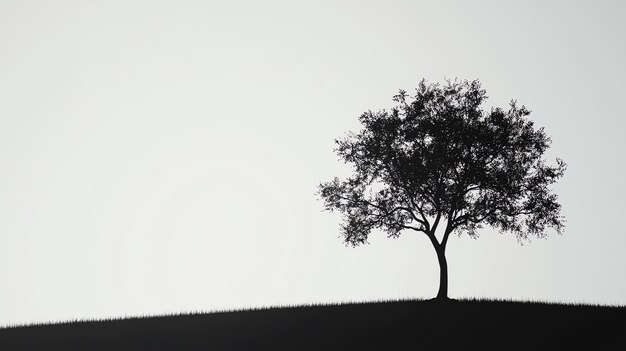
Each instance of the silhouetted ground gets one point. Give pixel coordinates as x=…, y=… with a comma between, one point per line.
x=404, y=325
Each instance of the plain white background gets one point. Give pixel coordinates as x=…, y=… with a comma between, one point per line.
x=163, y=156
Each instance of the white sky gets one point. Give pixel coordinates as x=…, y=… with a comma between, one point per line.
x=160, y=156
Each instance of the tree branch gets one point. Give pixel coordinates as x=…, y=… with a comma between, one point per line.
x=415, y=228
x=436, y=223
x=449, y=229
x=434, y=241
x=387, y=213
x=425, y=222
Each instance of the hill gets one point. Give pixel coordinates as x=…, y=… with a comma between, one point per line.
x=399, y=325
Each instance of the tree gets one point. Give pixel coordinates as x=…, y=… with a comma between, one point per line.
x=438, y=164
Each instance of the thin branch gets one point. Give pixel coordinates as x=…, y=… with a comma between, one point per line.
x=414, y=228
x=466, y=217
x=363, y=201
x=436, y=223
x=449, y=229
x=411, y=213
x=421, y=212
x=387, y=213
x=471, y=188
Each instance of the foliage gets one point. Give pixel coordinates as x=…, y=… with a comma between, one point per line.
x=439, y=157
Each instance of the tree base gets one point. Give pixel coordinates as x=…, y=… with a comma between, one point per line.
x=442, y=299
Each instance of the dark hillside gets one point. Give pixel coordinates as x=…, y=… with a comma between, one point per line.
x=369, y=326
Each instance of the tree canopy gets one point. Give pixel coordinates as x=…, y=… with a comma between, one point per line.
x=438, y=157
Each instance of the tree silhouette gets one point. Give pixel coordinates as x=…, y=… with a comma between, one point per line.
x=437, y=160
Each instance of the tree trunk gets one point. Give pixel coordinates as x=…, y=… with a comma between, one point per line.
x=443, y=275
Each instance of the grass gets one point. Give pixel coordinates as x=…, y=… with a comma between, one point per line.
x=381, y=325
